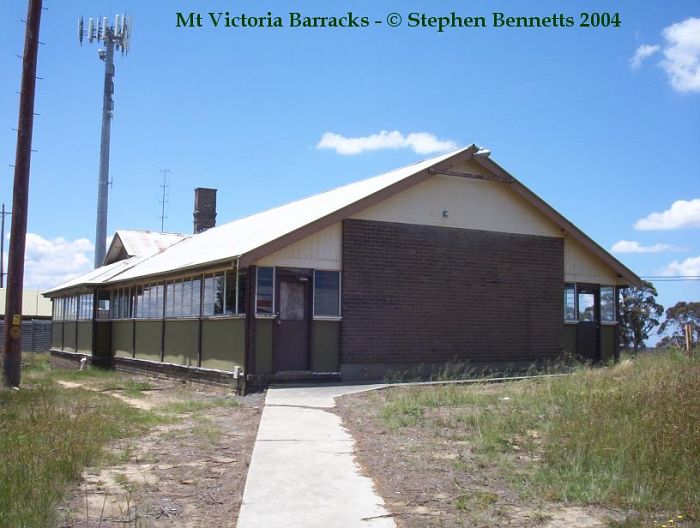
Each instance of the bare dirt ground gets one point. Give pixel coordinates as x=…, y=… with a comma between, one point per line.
x=430, y=476
x=188, y=472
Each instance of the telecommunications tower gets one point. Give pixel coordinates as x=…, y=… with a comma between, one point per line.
x=112, y=36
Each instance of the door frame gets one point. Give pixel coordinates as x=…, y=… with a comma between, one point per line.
x=595, y=290
x=300, y=273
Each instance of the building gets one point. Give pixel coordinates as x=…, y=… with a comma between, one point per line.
x=36, y=321
x=447, y=259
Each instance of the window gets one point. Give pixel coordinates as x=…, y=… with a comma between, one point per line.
x=326, y=293
x=196, y=299
x=569, y=302
x=157, y=301
x=264, y=298
x=586, y=306
x=214, y=294
x=230, y=294
x=607, y=304
x=170, y=299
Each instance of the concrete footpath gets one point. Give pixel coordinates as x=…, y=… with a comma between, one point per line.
x=302, y=472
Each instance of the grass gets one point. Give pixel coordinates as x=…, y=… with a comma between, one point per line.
x=48, y=434
x=624, y=436
x=191, y=406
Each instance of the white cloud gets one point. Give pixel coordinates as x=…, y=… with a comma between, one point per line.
x=630, y=246
x=643, y=52
x=419, y=142
x=683, y=213
x=690, y=266
x=682, y=55
x=48, y=263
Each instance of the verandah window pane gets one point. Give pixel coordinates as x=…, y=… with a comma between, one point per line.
x=230, y=295
x=209, y=293
x=607, y=304
x=569, y=302
x=586, y=307
x=219, y=294
x=158, y=302
x=186, y=298
x=264, y=295
x=327, y=293
x=170, y=300
x=196, y=299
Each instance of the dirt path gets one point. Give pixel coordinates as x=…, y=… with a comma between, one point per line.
x=430, y=477
x=187, y=473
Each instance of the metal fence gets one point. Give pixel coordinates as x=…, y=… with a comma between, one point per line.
x=36, y=335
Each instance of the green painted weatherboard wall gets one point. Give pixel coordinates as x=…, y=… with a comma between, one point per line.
x=122, y=338
x=570, y=339
x=147, y=339
x=325, y=346
x=607, y=342
x=182, y=342
x=85, y=337
x=102, y=342
x=263, y=346
x=69, y=344
x=57, y=335
x=223, y=342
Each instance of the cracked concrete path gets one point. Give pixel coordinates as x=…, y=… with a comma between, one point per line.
x=302, y=472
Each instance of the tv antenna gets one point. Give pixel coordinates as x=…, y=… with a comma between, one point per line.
x=113, y=36
x=164, y=197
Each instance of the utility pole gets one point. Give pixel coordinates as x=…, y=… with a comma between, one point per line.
x=2, y=245
x=164, y=198
x=20, y=198
x=113, y=36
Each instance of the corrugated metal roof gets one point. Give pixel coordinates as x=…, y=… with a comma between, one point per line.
x=141, y=243
x=231, y=240
x=227, y=242
x=99, y=275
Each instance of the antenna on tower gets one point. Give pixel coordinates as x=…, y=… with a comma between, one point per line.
x=164, y=197
x=117, y=36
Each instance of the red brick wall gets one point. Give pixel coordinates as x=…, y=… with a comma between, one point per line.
x=427, y=294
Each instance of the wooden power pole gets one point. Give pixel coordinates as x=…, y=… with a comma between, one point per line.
x=20, y=195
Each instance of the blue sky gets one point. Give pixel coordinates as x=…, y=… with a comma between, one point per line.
x=606, y=141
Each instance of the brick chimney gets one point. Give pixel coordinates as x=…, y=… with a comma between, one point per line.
x=204, y=209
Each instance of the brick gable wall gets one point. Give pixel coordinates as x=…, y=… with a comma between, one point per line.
x=422, y=294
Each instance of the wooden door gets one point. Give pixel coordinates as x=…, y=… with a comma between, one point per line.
x=292, y=325
x=588, y=327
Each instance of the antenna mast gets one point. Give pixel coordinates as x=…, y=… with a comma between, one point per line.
x=112, y=36
x=164, y=198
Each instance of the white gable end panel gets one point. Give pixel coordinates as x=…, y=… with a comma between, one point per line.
x=322, y=250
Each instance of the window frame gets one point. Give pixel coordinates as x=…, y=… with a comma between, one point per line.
x=614, y=320
x=257, y=281
x=320, y=317
x=575, y=288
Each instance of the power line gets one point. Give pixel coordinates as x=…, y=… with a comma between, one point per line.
x=671, y=278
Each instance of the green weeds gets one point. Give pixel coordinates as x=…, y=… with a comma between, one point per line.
x=624, y=436
x=47, y=435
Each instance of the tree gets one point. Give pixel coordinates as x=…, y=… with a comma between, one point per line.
x=669, y=342
x=678, y=316
x=639, y=315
